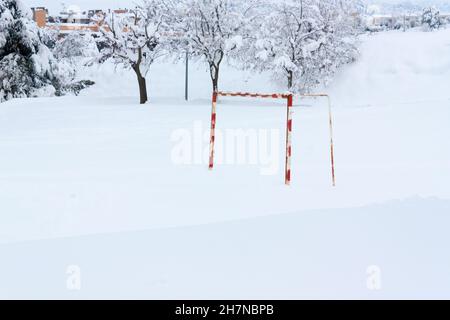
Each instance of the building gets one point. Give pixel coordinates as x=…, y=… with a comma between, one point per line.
x=72, y=19
x=40, y=16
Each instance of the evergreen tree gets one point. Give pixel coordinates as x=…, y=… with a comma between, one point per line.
x=27, y=66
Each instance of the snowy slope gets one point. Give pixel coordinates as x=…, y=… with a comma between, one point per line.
x=398, y=69
x=100, y=163
x=318, y=254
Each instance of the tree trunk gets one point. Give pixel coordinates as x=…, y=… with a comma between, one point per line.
x=215, y=83
x=290, y=79
x=215, y=77
x=142, y=90
x=142, y=86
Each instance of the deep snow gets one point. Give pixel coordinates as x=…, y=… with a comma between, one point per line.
x=100, y=163
x=318, y=254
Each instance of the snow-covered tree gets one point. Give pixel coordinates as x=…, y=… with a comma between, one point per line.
x=50, y=37
x=212, y=30
x=76, y=45
x=134, y=39
x=305, y=41
x=28, y=67
x=431, y=18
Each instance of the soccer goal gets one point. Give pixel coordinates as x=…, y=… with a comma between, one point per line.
x=289, y=105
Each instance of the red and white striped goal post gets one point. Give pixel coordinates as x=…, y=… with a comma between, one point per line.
x=289, y=98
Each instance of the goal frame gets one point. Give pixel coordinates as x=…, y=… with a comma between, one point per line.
x=289, y=97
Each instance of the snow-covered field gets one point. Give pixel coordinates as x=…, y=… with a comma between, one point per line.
x=91, y=182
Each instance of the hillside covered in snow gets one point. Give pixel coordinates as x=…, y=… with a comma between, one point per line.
x=405, y=6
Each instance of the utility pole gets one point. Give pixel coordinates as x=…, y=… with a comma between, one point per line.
x=186, y=83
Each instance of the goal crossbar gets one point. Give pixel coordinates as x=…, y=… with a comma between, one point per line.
x=254, y=95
